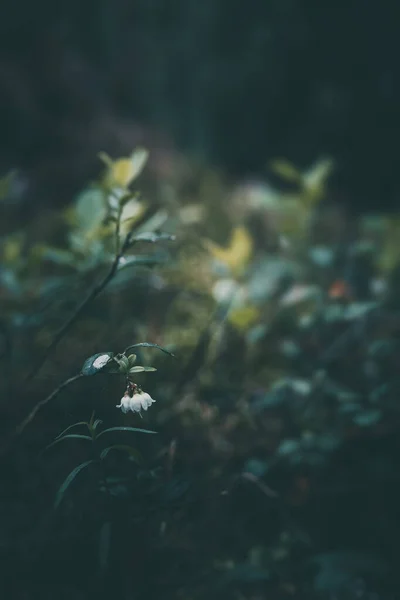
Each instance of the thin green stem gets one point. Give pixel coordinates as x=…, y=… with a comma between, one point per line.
x=96, y=290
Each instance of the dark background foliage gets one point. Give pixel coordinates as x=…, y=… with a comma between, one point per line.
x=234, y=83
x=231, y=84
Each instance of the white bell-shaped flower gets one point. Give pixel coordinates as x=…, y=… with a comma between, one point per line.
x=138, y=402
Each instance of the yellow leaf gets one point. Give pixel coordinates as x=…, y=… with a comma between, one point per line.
x=389, y=256
x=314, y=182
x=123, y=171
x=237, y=254
x=244, y=317
x=12, y=249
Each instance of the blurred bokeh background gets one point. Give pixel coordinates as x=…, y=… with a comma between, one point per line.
x=222, y=178
x=230, y=83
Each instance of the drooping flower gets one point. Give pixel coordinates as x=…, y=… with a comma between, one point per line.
x=138, y=402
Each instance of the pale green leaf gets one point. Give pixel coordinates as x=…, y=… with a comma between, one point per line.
x=70, y=436
x=152, y=237
x=132, y=429
x=137, y=369
x=67, y=482
x=71, y=427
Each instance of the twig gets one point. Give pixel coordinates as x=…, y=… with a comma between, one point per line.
x=96, y=290
x=39, y=405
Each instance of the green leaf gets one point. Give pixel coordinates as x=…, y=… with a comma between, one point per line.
x=67, y=482
x=133, y=429
x=90, y=209
x=137, y=369
x=91, y=420
x=112, y=367
x=96, y=424
x=123, y=363
x=368, y=418
x=71, y=427
x=148, y=345
x=152, y=237
x=140, y=369
x=70, y=436
x=135, y=454
x=96, y=363
x=132, y=359
x=128, y=197
x=144, y=261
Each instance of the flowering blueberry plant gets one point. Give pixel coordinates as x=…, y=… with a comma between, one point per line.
x=134, y=398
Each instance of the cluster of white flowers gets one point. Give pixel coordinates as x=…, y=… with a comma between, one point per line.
x=138, y=402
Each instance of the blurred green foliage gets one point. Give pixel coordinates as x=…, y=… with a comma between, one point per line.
x=274, y=471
